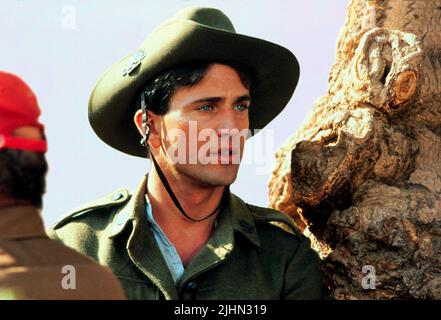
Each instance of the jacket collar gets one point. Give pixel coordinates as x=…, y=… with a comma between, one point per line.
x=235, y=217
x=142, y=239
x=241, y=218
x=128, y=212
x=18, y=222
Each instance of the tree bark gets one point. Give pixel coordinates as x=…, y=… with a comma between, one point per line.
x=362, y=175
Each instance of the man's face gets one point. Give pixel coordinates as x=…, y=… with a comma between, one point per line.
x=208, y=122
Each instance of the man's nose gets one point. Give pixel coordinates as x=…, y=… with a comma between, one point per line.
x=228, y=121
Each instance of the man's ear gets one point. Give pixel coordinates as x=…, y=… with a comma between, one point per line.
x=154, y=138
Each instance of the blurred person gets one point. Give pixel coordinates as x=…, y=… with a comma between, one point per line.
x=32, y=266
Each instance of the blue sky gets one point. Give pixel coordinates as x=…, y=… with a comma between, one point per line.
x=60, y=48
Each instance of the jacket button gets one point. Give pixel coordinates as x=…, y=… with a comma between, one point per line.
x=192, y=286
x=117, y=196
x=246, y=226
x=189, y=291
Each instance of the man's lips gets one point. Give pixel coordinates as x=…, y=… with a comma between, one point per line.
x=225, y=152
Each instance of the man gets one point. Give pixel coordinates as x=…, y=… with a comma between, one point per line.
x=182, y=234
x=31, y=265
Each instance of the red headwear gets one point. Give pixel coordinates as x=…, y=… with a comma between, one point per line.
x=18, y=108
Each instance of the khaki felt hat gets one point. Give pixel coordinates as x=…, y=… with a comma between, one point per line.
x=193, y=34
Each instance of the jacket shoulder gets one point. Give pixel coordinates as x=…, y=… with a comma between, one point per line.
x=110, y=201
x=275, y=218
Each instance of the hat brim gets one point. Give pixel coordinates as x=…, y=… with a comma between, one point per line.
x=275, y=72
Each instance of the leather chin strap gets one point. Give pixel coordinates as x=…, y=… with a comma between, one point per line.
x=164, y=181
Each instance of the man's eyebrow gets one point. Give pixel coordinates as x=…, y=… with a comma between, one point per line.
x=208, y=99
x=243, y=98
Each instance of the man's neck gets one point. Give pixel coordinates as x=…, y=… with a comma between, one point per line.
x=198, y=202
x=187, y=236
x=7, y=201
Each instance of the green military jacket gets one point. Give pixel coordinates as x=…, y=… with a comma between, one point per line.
x=247, y=256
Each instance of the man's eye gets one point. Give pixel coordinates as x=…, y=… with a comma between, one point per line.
x=241, y=107
x=206, y=108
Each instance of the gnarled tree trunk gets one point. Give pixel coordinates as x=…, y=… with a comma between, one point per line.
x=362, y=176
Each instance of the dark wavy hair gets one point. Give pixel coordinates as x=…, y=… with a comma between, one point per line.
x=158, y=92
x=23, y=175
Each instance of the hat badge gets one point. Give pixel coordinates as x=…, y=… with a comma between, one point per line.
x=134, y=62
